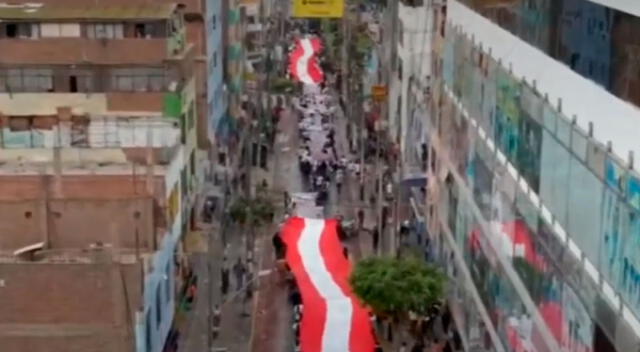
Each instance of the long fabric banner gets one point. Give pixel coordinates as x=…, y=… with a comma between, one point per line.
x=303, y=61
x=333, y=319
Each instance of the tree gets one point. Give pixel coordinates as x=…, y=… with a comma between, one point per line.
x=395, y=287
x=254, y=211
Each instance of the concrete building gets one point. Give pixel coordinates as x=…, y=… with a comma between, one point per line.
x=98, y=175
x=532, y=196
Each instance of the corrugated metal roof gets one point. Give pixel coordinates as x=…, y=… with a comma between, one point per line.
x=146, y=11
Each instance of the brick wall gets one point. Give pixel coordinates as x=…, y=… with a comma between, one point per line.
x=21, y=187
x=74, y=223
x=91, y=209
x=53, y=305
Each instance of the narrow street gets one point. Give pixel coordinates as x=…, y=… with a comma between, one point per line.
x=273, y=315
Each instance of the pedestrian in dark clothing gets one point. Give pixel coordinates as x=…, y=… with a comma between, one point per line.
x=249, y=290
x=295, y=298
x=224, y=281
x=360, y=218
x=278, y=245
x=375, y=234
x=239, y=270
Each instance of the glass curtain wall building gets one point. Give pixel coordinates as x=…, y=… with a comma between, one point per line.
x=533, y=201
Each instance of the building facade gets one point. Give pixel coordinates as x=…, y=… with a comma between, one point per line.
x=216, y=94
x=98, y=140
x=531, y=196
x=593, y=39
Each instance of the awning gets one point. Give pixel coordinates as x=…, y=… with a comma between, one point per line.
x=333, y=320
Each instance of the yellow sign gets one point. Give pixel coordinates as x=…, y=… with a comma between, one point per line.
x=318, y=8
x=379, y=92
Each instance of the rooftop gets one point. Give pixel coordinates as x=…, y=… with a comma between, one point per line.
x=35, y=11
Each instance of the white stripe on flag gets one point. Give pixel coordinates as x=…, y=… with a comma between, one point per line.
x=302, y=66
x=337, y=326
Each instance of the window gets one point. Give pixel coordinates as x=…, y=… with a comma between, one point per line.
x=26, y=80
x=37, y=80
x=73, y=84
x=18, y=124
x=105, y=30
x=138, y=79
x=215, y=59
x=60, y=30
x=213, y=22
x=20, y=30
x=78, y=81
x=146, y=30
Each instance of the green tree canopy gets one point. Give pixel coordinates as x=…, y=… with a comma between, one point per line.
x=252, y=211
x=394, y=287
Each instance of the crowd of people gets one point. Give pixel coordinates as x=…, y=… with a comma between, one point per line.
x=319, y=161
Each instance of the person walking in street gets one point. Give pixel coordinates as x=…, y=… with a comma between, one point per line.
x=248, y=295
x=239, y=271
x=339, y=178
x=224, y=281
x=278, y=245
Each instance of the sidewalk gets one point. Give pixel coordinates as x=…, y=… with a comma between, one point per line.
x=234, y=330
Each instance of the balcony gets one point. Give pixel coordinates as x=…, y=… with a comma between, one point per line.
x=110, y=103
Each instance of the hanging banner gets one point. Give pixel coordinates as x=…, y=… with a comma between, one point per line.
x=318, y=8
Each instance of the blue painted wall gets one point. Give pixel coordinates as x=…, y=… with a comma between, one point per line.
x=216, y=99
x=159, y=295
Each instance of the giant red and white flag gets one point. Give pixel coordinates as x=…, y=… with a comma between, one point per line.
x=303, y=61
x=333, y=319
